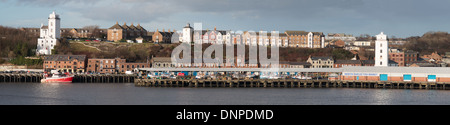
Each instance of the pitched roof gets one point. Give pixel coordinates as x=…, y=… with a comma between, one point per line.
x=296, y=32
x=116, y=26
x=124, y=26
x=347, y=62
x=132, y=27
x=161, y=59
x=65, y=57
x=139, y=27
x=165, y=34
x=289, y=32
x=300, y=63
x=321, y=57
x=368, y=61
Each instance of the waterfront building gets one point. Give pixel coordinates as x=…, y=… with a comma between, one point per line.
x=422, y=63
x=321, y=62
x=299, y=65
x=49, y=35
x=381, y=50
x=409, y=74
x=162, y=62
x=368, y=62
x=111, y=66
x=104, y=65
x=344, y=63
x=65, y=63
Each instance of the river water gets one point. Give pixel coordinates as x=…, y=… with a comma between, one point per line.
x=124, y=94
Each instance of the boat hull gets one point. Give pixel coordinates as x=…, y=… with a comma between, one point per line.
x=58, y=80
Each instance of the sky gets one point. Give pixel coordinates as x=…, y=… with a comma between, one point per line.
x=399, y=18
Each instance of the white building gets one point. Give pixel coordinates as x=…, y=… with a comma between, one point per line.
x=187, y=33
x=340, y=36
x=361, y=43
x=381, y=50
x=49, y=35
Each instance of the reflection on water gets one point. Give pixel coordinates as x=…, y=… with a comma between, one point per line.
x=117, y=94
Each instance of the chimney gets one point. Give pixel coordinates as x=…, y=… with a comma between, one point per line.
x=214, y=28
x=169, y=30
x=164, y=30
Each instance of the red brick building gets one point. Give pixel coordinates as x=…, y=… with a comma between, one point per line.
x=65, y=63
x=403, y=58
x=111, y=66
x=342, y=63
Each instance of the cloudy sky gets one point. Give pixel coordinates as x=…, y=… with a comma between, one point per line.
x=400, y=18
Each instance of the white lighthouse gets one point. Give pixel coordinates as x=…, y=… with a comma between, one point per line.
x=381, y=50
x=49, y=35
x=187, y=33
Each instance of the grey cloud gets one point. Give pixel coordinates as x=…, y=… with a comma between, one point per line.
x=52, y=3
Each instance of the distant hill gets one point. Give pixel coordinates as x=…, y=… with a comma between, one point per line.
x=429, y=42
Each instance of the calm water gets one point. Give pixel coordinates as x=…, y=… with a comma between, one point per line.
x=118, y=94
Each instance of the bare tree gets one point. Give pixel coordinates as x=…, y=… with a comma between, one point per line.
x=95, y=31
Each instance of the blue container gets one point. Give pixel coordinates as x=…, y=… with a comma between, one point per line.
x=383, y=77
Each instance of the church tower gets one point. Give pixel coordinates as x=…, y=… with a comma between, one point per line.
x=381, y=50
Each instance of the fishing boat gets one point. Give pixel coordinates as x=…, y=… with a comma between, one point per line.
x=57, y=78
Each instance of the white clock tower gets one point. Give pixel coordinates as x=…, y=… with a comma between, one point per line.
x=381, y=50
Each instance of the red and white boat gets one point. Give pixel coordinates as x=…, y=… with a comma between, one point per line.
x=57, y=78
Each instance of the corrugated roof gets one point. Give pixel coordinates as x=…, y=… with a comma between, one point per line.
x=431, y=70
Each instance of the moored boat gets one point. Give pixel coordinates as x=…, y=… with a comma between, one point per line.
x=57, y=78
